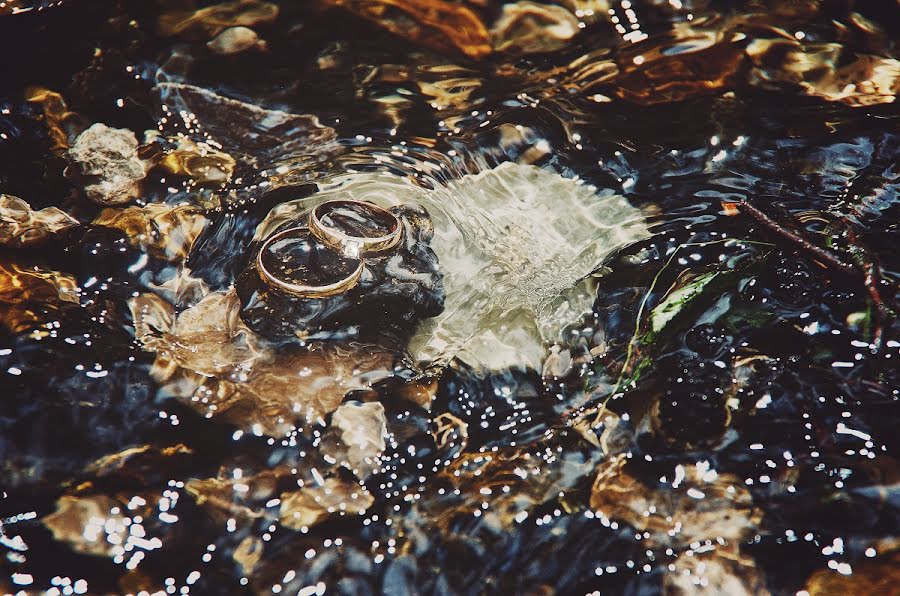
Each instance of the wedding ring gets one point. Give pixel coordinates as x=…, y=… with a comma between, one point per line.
x=295, y=262
x=343, y=224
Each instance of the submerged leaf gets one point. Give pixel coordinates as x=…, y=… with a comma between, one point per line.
x=98, y=525
x=823, y=70
x=235, y=40
x=31, y=296
x=273, y=140
x=207, y=338
x=21, y=226
x=312, y=504
x=700, y=504
x=677, y=300
x=208, y=358
x=440, y=24
x=200, y=162
x=164, y=231
x=62, y=125
x=528, y=28
x=208, y=22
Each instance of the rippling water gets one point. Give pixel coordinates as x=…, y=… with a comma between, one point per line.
x=639, y=336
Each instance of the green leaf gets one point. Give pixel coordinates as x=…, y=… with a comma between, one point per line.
x=669, y=308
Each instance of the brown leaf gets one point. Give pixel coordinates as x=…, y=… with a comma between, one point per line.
x=32, y=296
x=704, y=505
x=235, y=40
x=527, y=27
x=248, y=554
x=295, y=387
x=208, y=338
x=722, y=571
x=314, y=503
x=99, y=524
x=136, y=461
x=880, y=575
x=438, y=24
x=164, y=231
x=21, y=226
x=655, y=77
x=208, y=358
x=284, y=144
x=208, y=22
x=241, y=498
x=62, y=124
x=864, y=80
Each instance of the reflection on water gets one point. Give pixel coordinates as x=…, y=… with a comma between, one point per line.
x=638, y=335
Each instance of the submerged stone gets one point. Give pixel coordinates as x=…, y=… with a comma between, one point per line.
x=235, y=40
x=107, y=161
x=516, y=246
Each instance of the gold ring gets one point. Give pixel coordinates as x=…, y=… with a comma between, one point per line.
x=307, y=290
x=354, y=246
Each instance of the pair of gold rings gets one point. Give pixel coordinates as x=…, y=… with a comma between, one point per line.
x=331, y=247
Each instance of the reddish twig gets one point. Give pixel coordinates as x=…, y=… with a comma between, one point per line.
x=868, y=272
x=796, y=238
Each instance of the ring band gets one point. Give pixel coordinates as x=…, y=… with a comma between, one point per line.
x=302, y=290
x=354, y=246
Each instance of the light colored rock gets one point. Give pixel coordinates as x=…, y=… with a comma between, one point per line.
x=235, y=40
x=363, y=429
x=517, y=245
x=107, y=160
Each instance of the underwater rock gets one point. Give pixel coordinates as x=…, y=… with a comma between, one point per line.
x=235, y=40
x=210, y=21
x=313, y=504
x=823, y=70
x=397, y=288
x=20, y=225
x=106, y=158
x=210, y=360
x=439, y=24
x=530, y=28
x=701, y=503
x=516, y=246
x=277, y=142
x=207, y=338
x=363, y=429
x=166, y=232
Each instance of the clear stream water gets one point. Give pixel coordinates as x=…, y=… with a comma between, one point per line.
x=639, y=336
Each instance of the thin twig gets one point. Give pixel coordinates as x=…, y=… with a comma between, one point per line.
x=796, y=238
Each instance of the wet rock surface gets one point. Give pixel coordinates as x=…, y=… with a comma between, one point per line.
x=397, y=289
